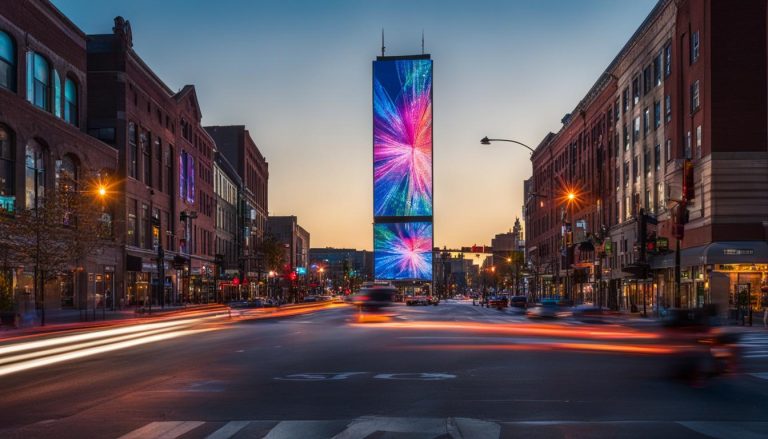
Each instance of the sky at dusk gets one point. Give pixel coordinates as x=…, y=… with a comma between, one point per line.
x=298, y=75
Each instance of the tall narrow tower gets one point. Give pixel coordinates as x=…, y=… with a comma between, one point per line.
x=402, y=167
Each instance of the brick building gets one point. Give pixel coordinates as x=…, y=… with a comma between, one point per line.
x=236, y=144
x=44, y=140
x=689, y=86
x=166, y=170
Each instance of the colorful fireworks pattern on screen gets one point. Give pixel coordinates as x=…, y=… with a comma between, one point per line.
x=403, y=250
x=402, y=136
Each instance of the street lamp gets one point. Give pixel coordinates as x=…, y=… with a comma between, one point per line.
x=486, y=141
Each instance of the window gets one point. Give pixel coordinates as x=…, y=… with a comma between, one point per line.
x=627, y=208
x=667, y=60
x=647, y=80
x=646, y=121
x=657, y=156
x=694, y=46
x=636, y=90
x=668, y=152
x=70, y=102
x=688, y=145
x=647, y=205
x=660, y=196
x=66, y=174
x=616, y=111
x=626, y=174
x=131, y=235
x=657, y=69
x=34, y=182
x=7, y=170
x=636, y=129
x=694, y=96
x=146, y=163
x=7, y=62
x=635, y=169
x=625, y=100
x=667, y=109
x=133, y=165
x=168, y=161
x=656, y=114
x=56, y=94
x=145, y=238
x=698, y=142
x=647, y=162
x=38, y=81
x=159, y=167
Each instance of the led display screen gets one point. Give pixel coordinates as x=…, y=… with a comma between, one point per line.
x=403, y=251
x=402, y=137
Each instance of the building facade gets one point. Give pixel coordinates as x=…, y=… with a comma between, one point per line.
x=235, y=143
x=45, y=147
x=668, y=150
x=227, y=187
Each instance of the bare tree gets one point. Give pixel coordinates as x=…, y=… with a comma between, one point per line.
x=55, y=236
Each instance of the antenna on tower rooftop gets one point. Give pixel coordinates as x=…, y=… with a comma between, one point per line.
x=383, y=48
x=422, y=41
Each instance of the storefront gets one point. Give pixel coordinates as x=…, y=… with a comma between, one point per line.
x=731, y=275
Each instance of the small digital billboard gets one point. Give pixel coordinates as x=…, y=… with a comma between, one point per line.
x=402, y=137
x=403, y=251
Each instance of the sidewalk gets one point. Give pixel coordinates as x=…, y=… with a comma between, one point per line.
x=72, y=319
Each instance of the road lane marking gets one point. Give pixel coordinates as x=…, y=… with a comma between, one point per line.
x=230, y=429
x=761, y=375
x=319, y=376
x=419, y=376
x=163, y=430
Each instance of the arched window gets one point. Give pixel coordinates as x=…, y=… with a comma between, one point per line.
x=66, y=174
x=34, y=182
x=70, y=101
x=38, y=81
x=56, y=94
x=7, y=62
x=7, y=170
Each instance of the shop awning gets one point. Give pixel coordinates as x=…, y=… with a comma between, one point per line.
x=722, y=252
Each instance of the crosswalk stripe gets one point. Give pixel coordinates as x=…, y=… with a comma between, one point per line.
x=228, y=430
x=163, y=430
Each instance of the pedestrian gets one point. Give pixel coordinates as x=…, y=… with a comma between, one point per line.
x=765, y=310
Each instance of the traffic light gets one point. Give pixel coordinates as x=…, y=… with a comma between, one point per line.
x=681, y=219
x=688, y=185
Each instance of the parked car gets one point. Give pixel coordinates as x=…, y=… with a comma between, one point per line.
x=417, y=300
x=433, y=300
x=591, y=314
x=518, y=302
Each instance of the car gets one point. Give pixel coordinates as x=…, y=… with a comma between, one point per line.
x=518, y=302
x=498, y=302
x=591, y=314
x=374, y=297
x=417, y=300
x=433, y=300
x=547, y=309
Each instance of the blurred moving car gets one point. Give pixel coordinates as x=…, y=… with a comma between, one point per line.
x=374, y=297
x=255, y=303
x=592, y=314
x=547, y=309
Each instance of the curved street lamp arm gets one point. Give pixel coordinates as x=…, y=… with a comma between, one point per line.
x=487, y=141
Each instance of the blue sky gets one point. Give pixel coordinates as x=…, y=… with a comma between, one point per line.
x=298, y=74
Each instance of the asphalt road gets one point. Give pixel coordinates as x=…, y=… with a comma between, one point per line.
x=449, y=371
